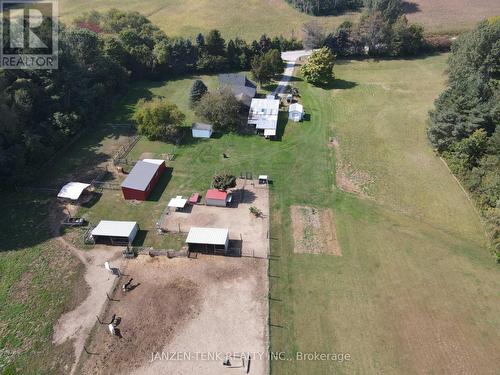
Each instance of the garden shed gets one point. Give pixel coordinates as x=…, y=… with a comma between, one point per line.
x=216, y=197
x=142, y=179
x=296, y=112
x=200, y=130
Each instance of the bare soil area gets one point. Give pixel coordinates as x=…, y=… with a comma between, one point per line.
x=184, y=305
x=246, y=231
x=314, y=231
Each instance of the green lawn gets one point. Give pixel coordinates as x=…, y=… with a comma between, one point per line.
x=245, y=19
x=37, y=280
x=416, y=290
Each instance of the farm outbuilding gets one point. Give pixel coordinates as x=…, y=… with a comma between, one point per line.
x=72, y=191
x=208, y=240
x=115, y=232
x=216, y=197
x=200, y=130
x=296, y=112
x=142, y=179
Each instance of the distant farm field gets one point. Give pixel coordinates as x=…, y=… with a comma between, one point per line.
x=245, y=19
x=250, y=19
x=451, y=15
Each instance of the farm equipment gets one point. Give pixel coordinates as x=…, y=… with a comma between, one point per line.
x=74, y=222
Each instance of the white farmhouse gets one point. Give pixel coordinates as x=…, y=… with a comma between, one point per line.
x=264, y=115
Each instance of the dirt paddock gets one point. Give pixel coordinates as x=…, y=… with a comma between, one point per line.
x=210, y=304
x=245, y=230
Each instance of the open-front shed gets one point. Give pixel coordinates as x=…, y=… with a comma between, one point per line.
x=208, y=240
x=115, y=232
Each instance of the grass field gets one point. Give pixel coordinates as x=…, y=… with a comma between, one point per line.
x=31, y=298
x=416, y=290
x=250, y=19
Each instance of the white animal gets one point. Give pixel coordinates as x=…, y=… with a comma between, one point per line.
x=107, y=266
x=111, y=328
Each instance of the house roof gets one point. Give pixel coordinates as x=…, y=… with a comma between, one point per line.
x=141, y=175
x=201, y=126
x=238, y=83
x=235, y=79
x=216, y=194
x=210, y=236
x=264, y=113
x=72, y=190
x=108, y=228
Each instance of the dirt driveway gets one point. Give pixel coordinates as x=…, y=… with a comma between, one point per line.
x=211, y=304
x=245, y=230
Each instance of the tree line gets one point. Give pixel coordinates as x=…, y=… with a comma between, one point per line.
x=325, y=7
x=99, y=56
x=464, y=126
x=383, y=30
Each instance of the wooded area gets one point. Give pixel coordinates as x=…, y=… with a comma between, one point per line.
x=464, y=127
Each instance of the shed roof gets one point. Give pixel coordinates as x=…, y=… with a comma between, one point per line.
x=109, y=228
x=201, y=126
x=216, y=194
x=141, y=175
x=210, y=236
x=72, y=190
x=296, y=107
x=177, y=202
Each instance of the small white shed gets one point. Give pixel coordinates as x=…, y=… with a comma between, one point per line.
x=296, y=112
x=200, y=130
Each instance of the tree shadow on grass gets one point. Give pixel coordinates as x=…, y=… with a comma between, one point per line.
x=338, y=84
x=161, y=185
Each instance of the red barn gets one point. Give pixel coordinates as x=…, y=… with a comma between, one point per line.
x=142, y=179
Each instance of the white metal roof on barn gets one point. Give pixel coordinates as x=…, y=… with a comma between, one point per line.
x=210, y=236
x=72, y=190
x=108, y=228
x=154, y=161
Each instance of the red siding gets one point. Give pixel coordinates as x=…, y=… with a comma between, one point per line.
x=143, y=195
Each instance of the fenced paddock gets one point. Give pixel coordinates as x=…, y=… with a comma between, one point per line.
x=249, y=235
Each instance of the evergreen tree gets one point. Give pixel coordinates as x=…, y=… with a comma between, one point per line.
x=197, y=91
